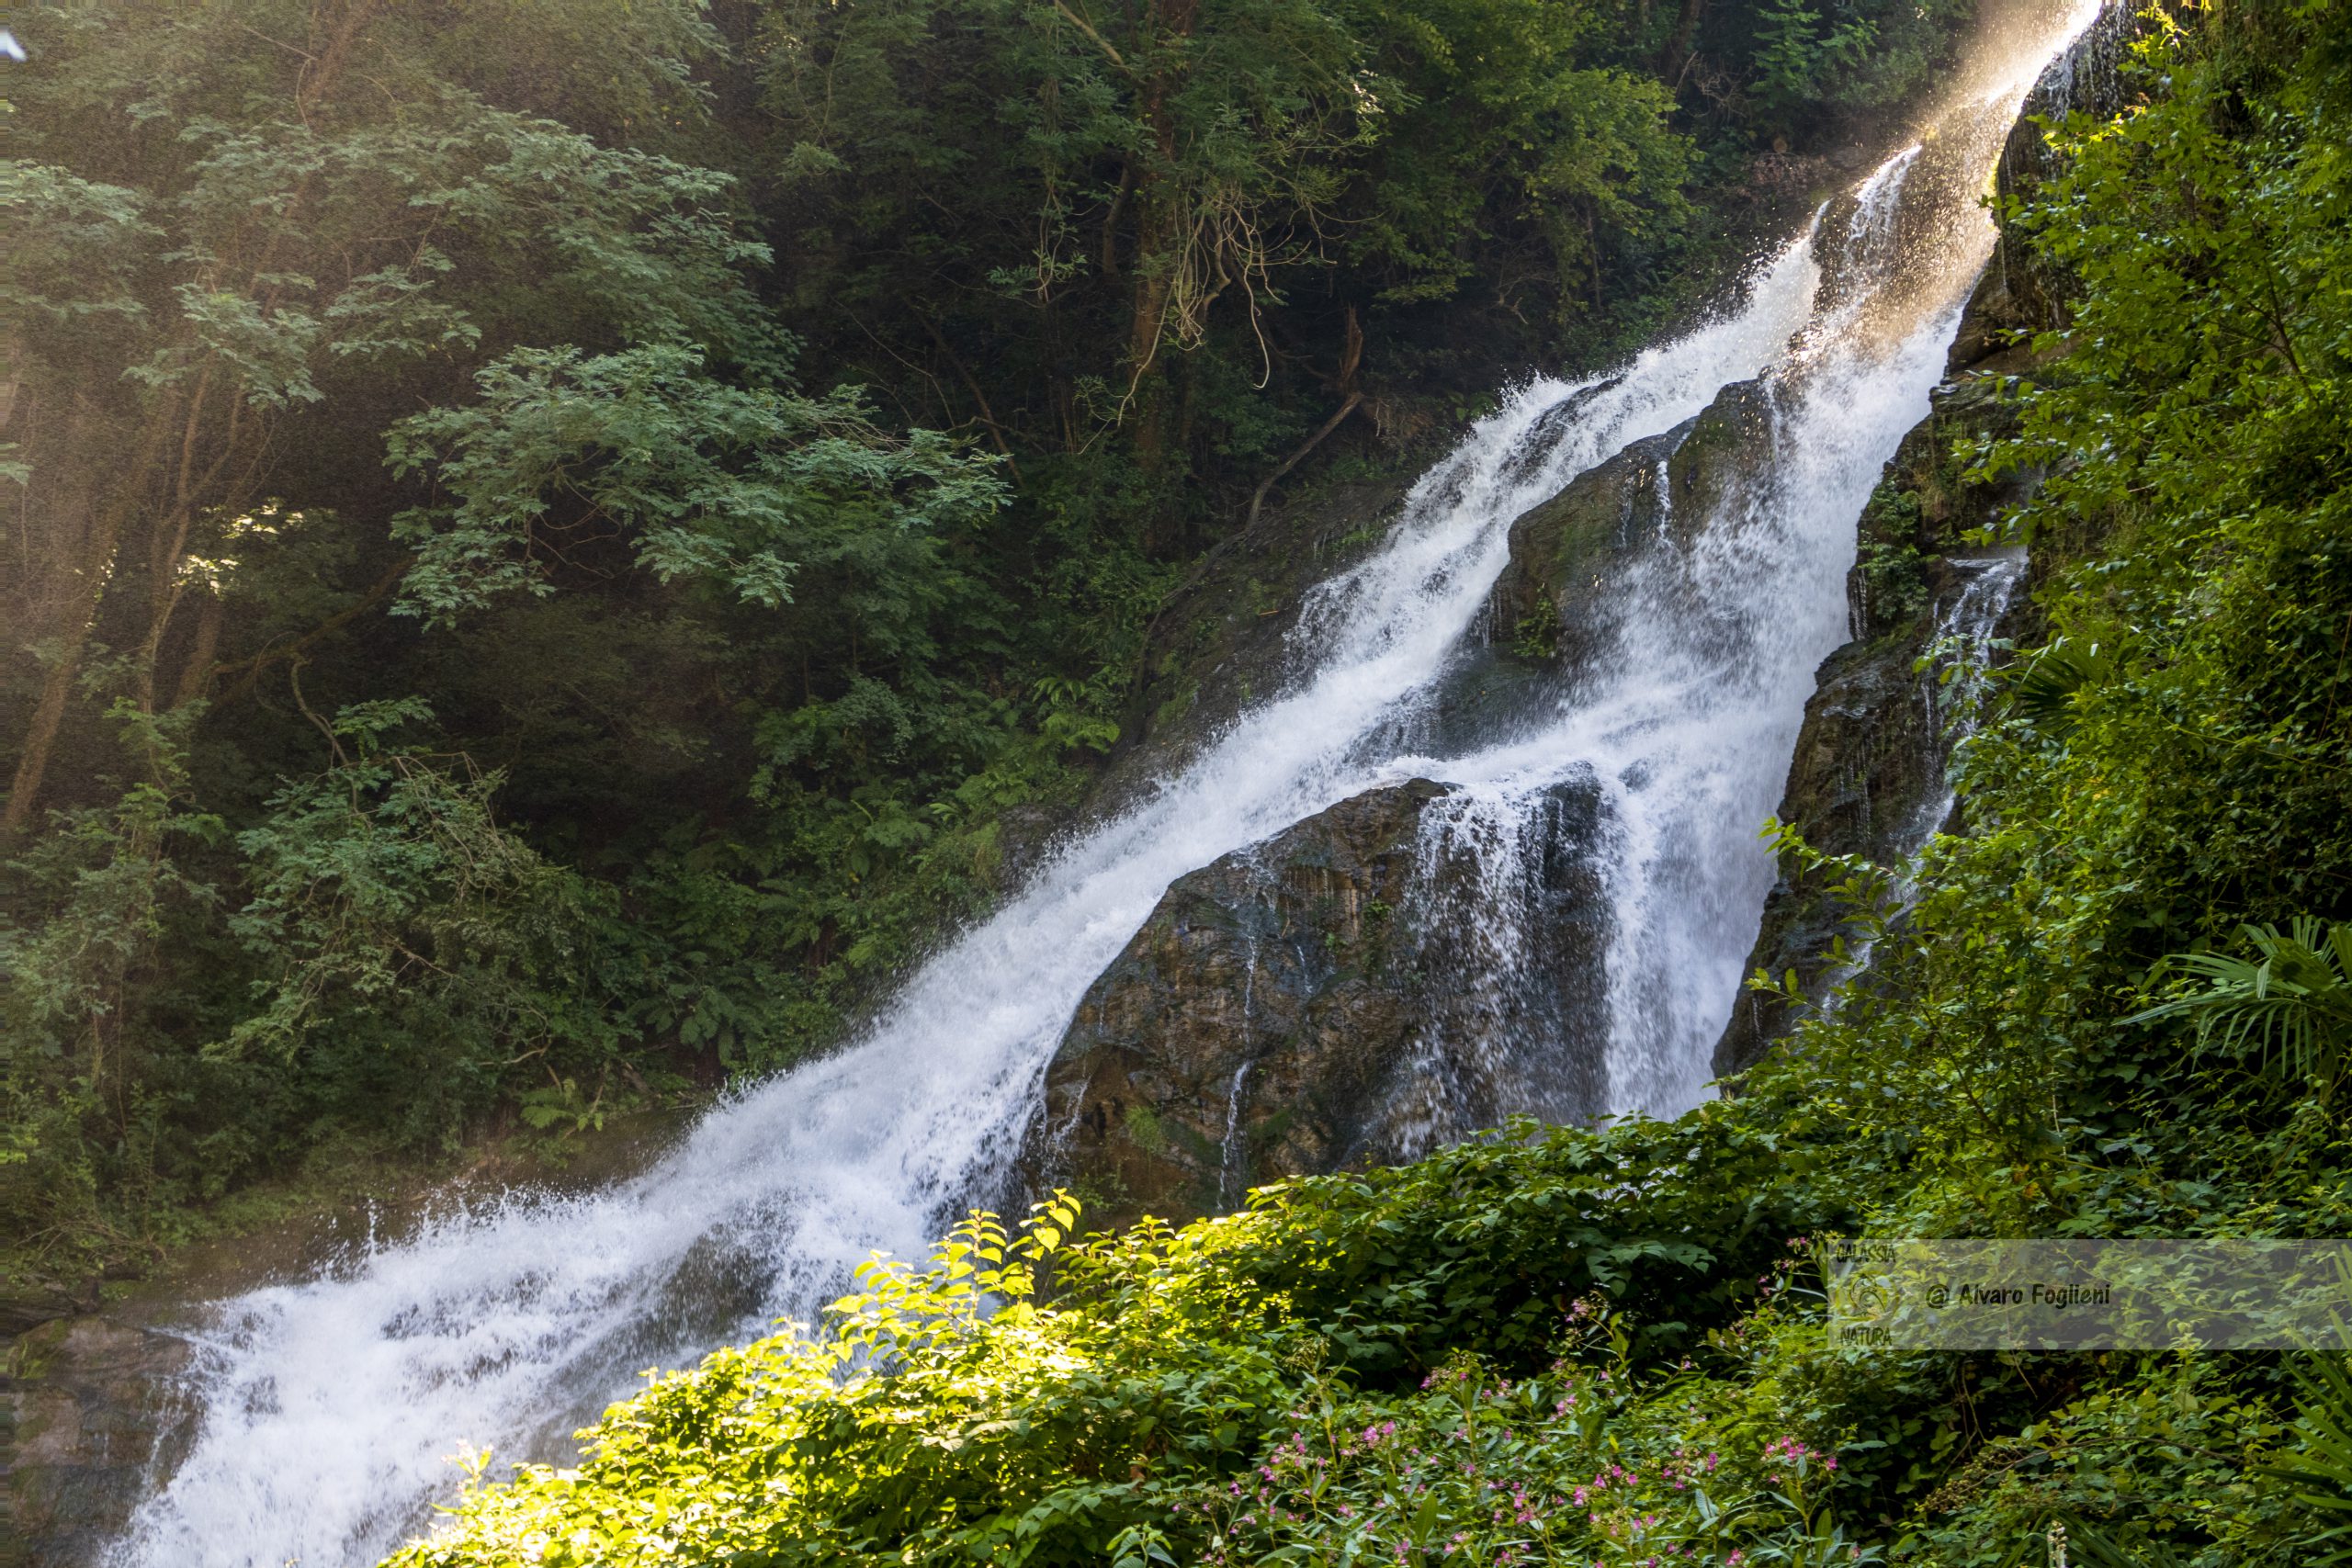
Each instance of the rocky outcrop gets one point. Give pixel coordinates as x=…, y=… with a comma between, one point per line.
x=1302, y=1006
x=1222, y=641
x=1555, y=607
x=1867, y=777
x=1552, y=605
x=2019, y=293
x=85, y=1403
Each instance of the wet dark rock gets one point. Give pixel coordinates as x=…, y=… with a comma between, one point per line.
x=1287, y=1010
x=27, y=1302
x=1551, y=607
x=2021, y=293
x=1553, y=611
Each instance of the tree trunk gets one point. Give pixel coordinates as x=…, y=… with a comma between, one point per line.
x=1152, y=286
x=103, y=513
x=100, y=500
x=56, y=689
x=1158, y=228
x=196, y=676
x=1676, y=53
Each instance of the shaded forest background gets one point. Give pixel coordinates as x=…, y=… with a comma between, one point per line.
x=550, y=547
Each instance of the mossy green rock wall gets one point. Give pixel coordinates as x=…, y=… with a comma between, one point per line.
x=1552, y=605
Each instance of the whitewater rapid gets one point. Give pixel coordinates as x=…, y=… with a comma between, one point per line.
x=330, y=1404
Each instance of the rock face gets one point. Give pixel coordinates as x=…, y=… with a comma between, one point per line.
x=1551, y=606
x=1553, y=611
x=1223, y=640
x=2019, y=292
x=1867, y=777
x=85, y=1403
x=1306, y=1005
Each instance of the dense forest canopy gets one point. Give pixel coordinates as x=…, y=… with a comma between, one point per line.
x=546, y=540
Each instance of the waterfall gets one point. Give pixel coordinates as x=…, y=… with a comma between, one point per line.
x=329, y=1403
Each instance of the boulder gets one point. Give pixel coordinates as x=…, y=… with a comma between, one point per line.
x=1307, y=1004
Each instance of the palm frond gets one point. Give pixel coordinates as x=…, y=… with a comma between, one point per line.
x=2100, y=1550
x=2319, y=1467
x=2043, y=690
x=2288, y=1004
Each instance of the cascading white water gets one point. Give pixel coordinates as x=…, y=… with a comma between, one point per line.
x=1488, y=908
x=1689, y=714
x=330, y=1403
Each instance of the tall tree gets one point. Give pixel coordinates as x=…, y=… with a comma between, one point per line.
x=235, y=213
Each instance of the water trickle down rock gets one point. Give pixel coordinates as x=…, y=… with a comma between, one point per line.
x=1311, y=1003
x=1867, y=777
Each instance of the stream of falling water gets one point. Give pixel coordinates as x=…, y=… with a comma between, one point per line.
x=329, y=1404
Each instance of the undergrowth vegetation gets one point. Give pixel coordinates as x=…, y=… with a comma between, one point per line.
x=2111, y=1008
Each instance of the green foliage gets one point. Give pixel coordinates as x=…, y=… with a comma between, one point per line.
x=1181, y=1394
x=402, y=935
x=91, y=901
x=633, y=355
x=1845, y=56
x=2043, y=690
x=1897, y=579
x=2292, y=1006
x=78, y=254
x=2319, y=1465
x=701, y=481
x=1505, y=99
